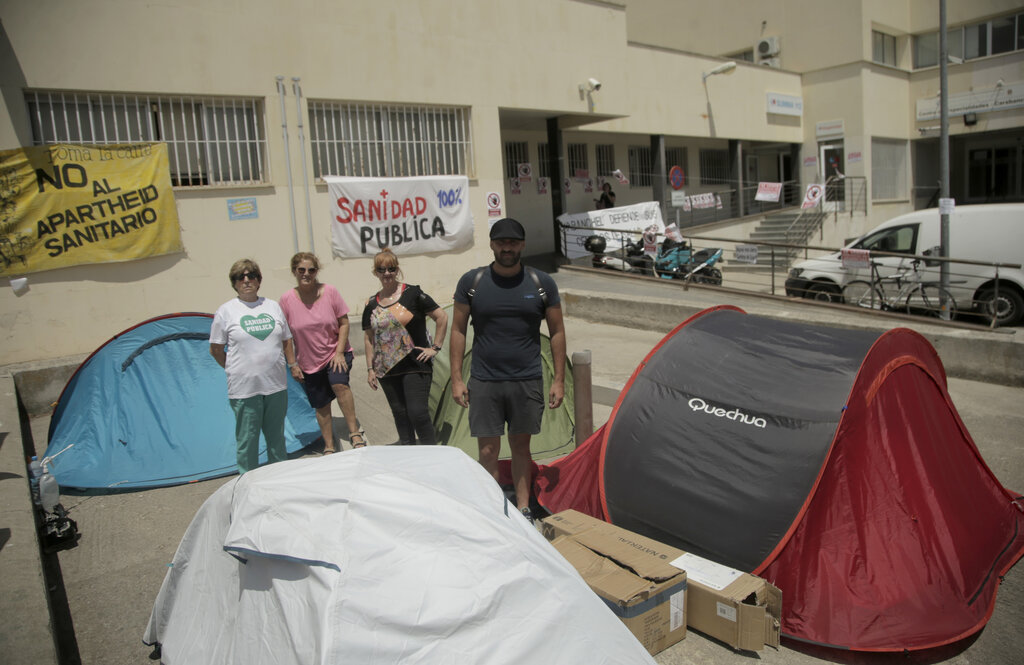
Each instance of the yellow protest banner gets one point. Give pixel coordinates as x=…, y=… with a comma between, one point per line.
x=64, y=205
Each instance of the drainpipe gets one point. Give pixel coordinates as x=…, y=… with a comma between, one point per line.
x=288, y=162
x=297, y=90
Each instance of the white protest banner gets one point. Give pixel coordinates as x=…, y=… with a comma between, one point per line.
x=636, y=217
x=855, y=259
x=812, y=195
x=768, y=191
x=410, y=215
x=746, y=253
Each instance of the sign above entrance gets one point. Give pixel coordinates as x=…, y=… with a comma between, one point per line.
x=829, y=128
x=998, y=98
x=784, y=104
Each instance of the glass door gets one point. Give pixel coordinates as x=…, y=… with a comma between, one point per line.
x=831, y=156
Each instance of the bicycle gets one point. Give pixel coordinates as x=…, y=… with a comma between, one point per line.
x=912, y=293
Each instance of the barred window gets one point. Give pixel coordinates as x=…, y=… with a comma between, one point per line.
x=578, y=162
x=515, y=154
x=714, y=166
x=888, y=169
x=211, y=141
x=640, y=166
x=605, y=160
x=389, y=140
x=543, y=167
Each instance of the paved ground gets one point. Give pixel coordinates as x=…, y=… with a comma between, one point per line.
x=112, y=576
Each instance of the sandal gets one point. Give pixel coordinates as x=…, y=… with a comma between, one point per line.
x=357, y=444
x=329, y=451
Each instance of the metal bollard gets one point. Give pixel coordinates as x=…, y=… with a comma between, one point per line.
x=583, y=395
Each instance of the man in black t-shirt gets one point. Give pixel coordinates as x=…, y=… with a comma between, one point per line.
x=507, y=303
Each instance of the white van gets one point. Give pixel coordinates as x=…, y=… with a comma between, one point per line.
x=993, y=233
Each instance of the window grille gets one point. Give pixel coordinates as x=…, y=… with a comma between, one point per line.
x=389, y=140
x=605, y=160
x=714, y=167
x=543, y=167
x=675, y=157
x=888, y=169
x=578, y=162
x=640, y=166
x=515, y=154
x=211, y=141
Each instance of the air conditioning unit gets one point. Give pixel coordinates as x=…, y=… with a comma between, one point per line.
x=771, y=62
x=767, y=47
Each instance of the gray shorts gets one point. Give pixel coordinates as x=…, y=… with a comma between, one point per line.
x=494, y=403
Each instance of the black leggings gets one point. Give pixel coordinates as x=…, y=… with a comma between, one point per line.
x=407, y=395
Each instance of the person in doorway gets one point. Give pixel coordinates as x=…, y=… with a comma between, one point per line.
x=607, y=199
x=399, y=350
x=251, y=340
x=506, y=302
x=318, y=317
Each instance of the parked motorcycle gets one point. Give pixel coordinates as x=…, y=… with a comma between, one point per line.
x=630, y=258
x=677, y=260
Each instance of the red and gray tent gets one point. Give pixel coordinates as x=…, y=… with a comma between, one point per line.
x=831, y=462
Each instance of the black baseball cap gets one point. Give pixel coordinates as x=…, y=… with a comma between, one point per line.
x=507, y=228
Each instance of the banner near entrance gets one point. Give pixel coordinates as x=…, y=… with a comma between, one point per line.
x=636, y=217
x=64, y=205
x=812, y=195
x=410, y=215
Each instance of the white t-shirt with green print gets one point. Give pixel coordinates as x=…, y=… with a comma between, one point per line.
x=254, y=333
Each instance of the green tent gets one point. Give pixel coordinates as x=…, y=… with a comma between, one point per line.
x=557, y=436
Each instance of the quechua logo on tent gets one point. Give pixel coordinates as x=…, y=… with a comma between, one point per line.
x=697, y=404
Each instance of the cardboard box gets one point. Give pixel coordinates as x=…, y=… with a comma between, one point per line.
x=737, y=608
x=643, y=590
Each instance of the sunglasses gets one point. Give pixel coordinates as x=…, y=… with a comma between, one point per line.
x=254, y=276
x=304, y=271
x=382, y=270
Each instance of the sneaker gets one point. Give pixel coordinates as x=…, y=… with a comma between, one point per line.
x=528, y=514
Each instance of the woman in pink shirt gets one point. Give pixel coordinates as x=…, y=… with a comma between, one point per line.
x=318, y=318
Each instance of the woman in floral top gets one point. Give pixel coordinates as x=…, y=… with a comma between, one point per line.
x=399, y=351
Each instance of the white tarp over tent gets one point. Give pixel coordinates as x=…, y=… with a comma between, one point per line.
x=378, y=555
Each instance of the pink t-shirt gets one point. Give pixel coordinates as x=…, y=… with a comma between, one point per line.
x=315, y=328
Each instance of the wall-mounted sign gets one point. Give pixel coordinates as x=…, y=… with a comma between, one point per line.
x=854, y=157
x=999, y=98
x=243, y=209
x=493, y=204
x=784, y=104
x=828, y=128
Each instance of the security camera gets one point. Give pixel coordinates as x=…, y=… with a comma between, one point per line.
x=594, y=84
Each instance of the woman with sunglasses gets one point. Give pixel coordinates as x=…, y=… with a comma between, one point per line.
x=258, y=346
x=399, y=350
x=318, y=317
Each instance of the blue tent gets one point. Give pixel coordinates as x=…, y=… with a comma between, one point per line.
x=149, y=408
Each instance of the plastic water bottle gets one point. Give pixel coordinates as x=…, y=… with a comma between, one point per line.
x=35, y=470
x=49, y=491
